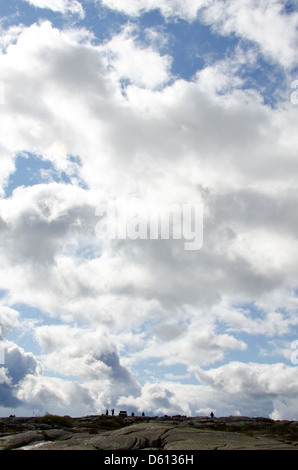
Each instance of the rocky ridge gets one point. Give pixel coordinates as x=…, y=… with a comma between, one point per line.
x=107, y=433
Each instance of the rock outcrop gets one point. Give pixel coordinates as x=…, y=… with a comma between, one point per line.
x=138, y=433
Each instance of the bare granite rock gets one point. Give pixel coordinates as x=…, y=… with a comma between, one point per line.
x=150, y=433
x=194, y=439
x=22, y=439
x=134, y=437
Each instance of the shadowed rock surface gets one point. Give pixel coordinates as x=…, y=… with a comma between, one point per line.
x=144, y=433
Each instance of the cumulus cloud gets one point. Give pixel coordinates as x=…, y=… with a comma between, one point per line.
x=142, y=66
x=37, y=222
x=177, y=118
x=58, y=395
x=142, y=136
x=85, y=354
x=263, y=22
x=6, y=390
x=20, y=363
x=235, y=388
x=182, y=9
x=168, y=397
x=18, y=366
x=155, y=398
x=200, y=346
x=62, y=6
x=8, y=320
x=276, y=383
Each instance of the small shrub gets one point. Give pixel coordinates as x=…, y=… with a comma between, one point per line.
x=55, y=420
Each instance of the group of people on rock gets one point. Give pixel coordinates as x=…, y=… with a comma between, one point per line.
x=143, y=414
x=113, y=412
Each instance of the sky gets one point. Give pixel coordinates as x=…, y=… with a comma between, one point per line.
x=146, y=104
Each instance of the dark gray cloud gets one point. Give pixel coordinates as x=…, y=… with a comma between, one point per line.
x=7, y=397
x=18, y=365
x=121, y=379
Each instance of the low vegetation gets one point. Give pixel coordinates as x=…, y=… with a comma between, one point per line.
x=55, y=420
x=106, y=424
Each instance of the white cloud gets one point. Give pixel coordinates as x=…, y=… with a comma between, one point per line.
x=62, y=6
x=38, y=221
x=205, y=140
x=253, y=379
x=155, y=399
x=82, y=353
x=269, y=323
x=8, y=320
x=154, y=131
x=142, y=66
x=199, y=345
x=166, y=397
x=18, y=366
x=186, y=9
x=54, y=395
x=263, y=22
